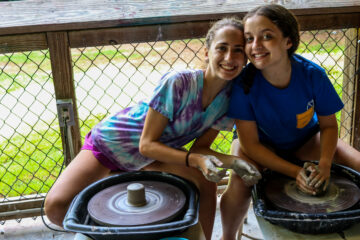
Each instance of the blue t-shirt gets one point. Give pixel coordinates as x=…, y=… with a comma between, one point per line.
x=285, y=117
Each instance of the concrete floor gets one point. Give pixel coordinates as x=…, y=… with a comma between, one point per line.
x=29, y=229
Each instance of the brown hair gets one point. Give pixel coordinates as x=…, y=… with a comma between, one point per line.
x=283, y=19
x=287, y=24
x=227, y=21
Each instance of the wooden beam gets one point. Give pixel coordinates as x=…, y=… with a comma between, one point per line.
x=20, y=208
x=329, y=21
x=111, y=36
x=62, y=72
x=356, y=126
x=348, y=90
x=22, y=43
x=184, y=30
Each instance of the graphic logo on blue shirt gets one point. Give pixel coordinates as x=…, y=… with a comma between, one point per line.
x=310, y=104
x=302, y=119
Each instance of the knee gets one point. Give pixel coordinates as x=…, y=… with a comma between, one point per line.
x=55, y=208
x=236, y=183
x=205, y=187
x=236, y=189
x=208, y=194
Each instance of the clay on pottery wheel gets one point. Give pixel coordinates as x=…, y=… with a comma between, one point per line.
x=136, y=203
x=320, y=190
x=341, y=194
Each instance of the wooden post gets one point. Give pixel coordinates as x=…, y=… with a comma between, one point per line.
x=356, y=126
x=348, y=90
x=62, y=72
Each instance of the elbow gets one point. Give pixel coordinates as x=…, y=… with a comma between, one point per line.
x=144, y=147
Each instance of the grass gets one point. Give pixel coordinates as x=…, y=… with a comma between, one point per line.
x=320, y=49
x=30, y=164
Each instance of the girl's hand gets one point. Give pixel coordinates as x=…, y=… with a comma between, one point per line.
x=302, y=182
x=248, y=172
x=313, y=179
x=209, y=167
x=320, y=179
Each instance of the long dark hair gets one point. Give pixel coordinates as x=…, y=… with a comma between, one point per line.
x=288, y=25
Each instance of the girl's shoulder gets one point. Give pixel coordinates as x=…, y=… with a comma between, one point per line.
x=182, y=77
x=308, y=72
x=306, y=65
x=187, y=73
x=181, y=82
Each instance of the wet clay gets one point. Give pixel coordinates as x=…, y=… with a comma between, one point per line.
x=284, y=194
x=136, y=203
x=310, y=167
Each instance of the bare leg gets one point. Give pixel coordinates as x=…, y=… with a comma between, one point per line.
x=234, y=205
x=235, y=200
x=345, y=154
x=81, y=172
x=207, y=191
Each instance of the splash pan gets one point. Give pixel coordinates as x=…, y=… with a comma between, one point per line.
x=307, y=223
x=78, y=220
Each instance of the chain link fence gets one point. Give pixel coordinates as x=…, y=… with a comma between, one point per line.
x=108, y=78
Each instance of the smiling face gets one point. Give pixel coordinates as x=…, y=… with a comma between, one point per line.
x=226, y=56
x=266, y=47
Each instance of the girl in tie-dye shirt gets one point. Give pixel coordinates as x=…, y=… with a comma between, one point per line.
x=187, y=105
x=178, y=98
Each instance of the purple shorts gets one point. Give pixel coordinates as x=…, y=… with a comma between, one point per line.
x=88, y=145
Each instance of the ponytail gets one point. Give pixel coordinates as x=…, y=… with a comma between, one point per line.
x=247, y=77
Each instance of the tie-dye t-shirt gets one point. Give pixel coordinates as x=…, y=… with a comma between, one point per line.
x=179, y=98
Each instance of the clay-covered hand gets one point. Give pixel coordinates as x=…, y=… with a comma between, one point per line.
x=312, y=179
x=310, y=169
x=302, y=182
x=319, y=179
x=210, y=168
x=248, y=172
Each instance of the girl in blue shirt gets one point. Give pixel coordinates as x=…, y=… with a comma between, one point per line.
x=284, y=106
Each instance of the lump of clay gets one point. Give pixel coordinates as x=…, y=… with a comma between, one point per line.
x=309, y=168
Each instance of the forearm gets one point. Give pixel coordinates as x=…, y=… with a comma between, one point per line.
x=256, y=151
x=226, y=159
x=268, y=159
x=328, y=143
x=160, y=152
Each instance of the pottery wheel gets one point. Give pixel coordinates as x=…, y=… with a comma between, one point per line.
x=340, y=195
x=162, y=202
